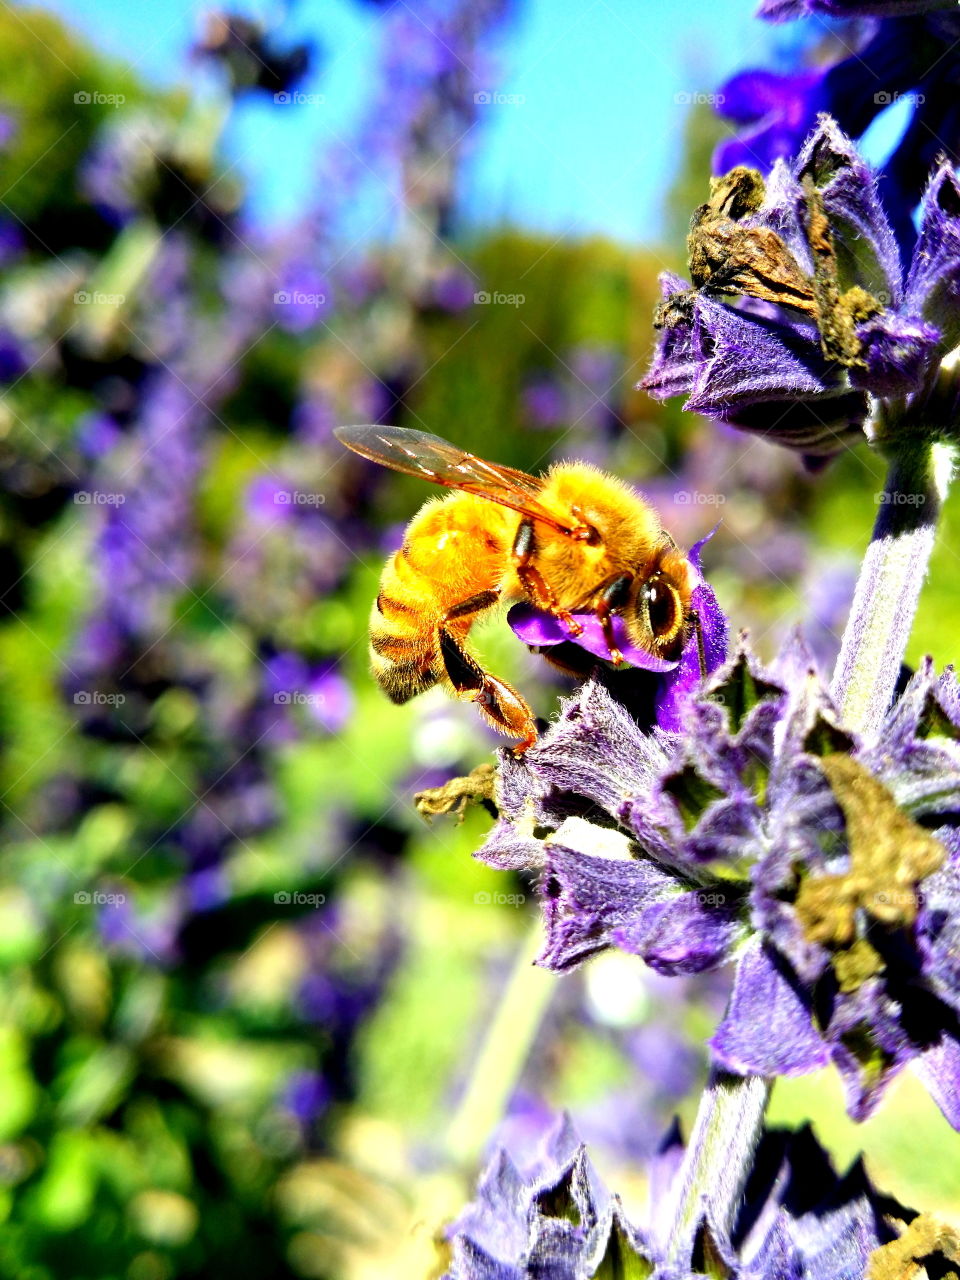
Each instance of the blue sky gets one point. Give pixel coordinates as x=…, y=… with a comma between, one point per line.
x=590, y=148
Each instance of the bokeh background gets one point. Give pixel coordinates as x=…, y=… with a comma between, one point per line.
x=257, y=1018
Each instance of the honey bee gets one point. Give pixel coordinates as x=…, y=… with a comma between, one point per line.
x=574, y=540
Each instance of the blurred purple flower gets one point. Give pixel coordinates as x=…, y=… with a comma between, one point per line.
x=454, y=290
x=147, y=938
x=314, y=420
x=206, y=889
x=97, y=434
x=268, y=501
x=304, y=297
x=12, y=243
x=307, y=1095
x=545, y=403
x=15, y=358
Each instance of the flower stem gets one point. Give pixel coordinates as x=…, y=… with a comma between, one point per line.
x=718, y=1158
x=888, y=589
x=503, y=1053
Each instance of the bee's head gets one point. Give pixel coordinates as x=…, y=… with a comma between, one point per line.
x=657, y=610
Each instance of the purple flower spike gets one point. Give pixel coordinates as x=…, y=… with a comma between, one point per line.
x=900, y=52
x=759, y=831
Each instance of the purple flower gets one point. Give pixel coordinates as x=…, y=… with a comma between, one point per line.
x=826, y=865
x=304, y=298
x=307, y=1095
x=798, y=1219
x=545, y=402
x=792, y=345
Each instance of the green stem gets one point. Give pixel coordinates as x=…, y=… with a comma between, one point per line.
x=888, y=589
x=503, y=1053
x=719, y=1158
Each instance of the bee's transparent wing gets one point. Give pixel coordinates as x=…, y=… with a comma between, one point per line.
x=417, y=453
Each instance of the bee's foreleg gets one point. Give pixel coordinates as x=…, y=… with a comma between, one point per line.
x=496, y=700
x=612, y=595
x=532, y=580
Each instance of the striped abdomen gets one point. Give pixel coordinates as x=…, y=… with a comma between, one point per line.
x=453, y=549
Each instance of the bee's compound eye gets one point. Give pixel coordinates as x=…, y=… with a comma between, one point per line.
x=663, y=608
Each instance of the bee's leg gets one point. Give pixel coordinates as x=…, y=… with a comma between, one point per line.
x=531, y=579
x=613, y=594
x=495, y=699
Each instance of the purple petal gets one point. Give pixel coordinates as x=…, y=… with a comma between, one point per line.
x=778, y=111
x=897, y=350
x=676, y=689
x=598, y=751
x=933, y=283
x=768, y=1027
x=750, y=358
x=675, y=362
x=869, y=1045
x=539, y=629
x=588, y=899
x=691, y=933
